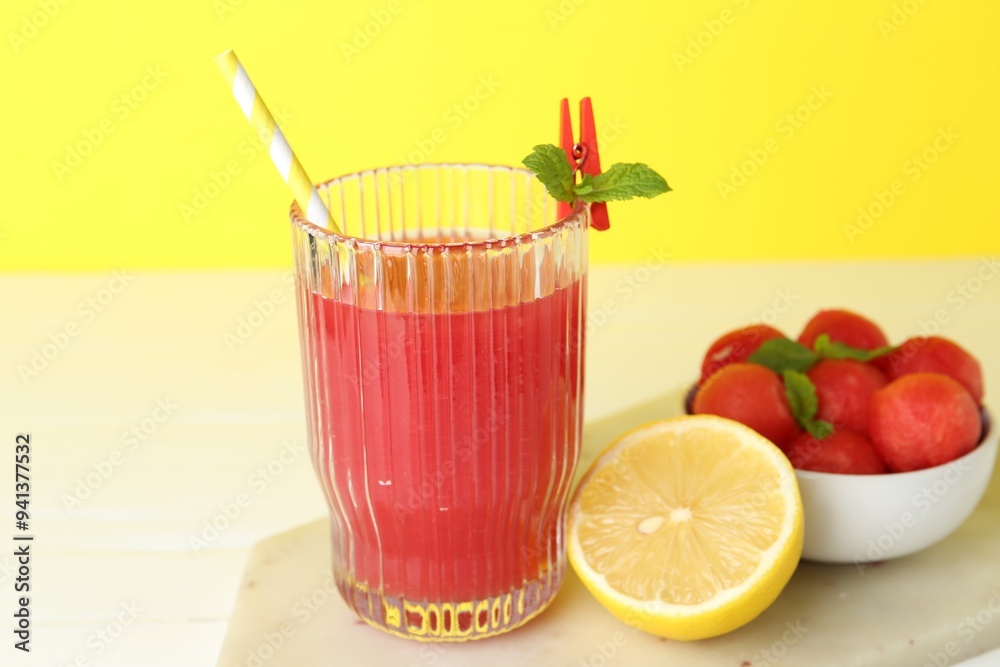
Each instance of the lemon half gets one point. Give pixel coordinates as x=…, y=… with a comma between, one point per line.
x=687, y=528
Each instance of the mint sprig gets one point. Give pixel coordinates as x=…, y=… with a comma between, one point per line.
x=784, y=354
x=552, y=169
x=831, y=349
x=792, y=359
x=620, y=182
x=801, y=393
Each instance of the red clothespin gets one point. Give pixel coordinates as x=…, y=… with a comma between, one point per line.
x=583, y=156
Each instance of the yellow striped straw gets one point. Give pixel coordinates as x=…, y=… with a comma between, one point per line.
x=284, y=159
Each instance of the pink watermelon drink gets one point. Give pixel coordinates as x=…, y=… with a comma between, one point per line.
x=444, y=389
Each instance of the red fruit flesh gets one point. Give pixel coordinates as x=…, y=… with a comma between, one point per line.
x=843, y=326
x=752, y=395
x=735, y=347
x=845, y=452
x=844, y=389
x=936, y=355
x=923, y=420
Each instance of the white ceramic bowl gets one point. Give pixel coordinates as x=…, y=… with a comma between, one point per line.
x=865, y=518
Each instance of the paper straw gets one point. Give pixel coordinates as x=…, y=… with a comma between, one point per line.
x=282, y=156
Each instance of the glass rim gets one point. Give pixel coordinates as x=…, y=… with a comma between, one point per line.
x=297, y=217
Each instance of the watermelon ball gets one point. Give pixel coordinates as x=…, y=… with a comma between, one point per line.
x=923, y=420
x=752, y=395
x=846, y=452
x=936, y=355
x=844, y=390
x=734, y=347
x=843, y=326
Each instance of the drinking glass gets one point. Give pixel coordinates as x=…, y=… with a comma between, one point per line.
x=442, y=337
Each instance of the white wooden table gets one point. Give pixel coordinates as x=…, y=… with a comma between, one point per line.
x=167, y=437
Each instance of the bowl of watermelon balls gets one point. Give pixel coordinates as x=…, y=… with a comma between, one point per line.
x=891, y=444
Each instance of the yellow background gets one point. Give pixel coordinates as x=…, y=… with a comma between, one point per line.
x=695, y=89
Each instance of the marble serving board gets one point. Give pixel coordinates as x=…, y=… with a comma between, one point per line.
x=936, y=608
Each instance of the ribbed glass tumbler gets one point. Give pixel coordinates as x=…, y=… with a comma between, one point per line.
x=442, y=345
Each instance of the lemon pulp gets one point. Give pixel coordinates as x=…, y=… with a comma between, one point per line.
x=687, y=528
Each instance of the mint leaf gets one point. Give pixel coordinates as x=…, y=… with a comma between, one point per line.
x=830, y=349
x=819, y=429
x=552, y=168
x=622, y=181
x=783, y=354
x=801, y=393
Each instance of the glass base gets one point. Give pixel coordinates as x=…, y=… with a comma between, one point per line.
x=450, y=621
